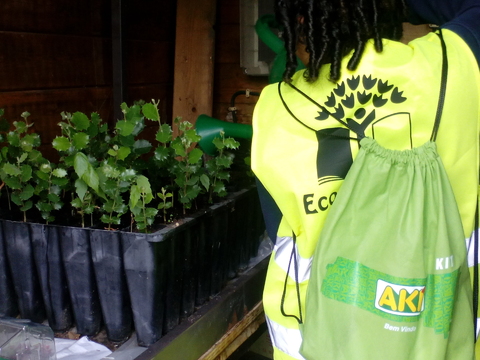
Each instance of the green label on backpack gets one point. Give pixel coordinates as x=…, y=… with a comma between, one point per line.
x=393, y=298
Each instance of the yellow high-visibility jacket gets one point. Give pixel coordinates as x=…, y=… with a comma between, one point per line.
x=392, y=97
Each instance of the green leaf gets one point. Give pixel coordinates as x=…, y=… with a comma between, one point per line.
x=144, y=184
x=30, y=140
x=81, y=189
x=150, y=213
x=139, y=126
x=26, y=206
x=81, y=121
x=11, y=169
x=80, y=140
x=218, y=142
x=91, y=178
x=20, y=126
x=61, y=143
x=46, y=168
x=193, y=192
x=127, y=141
x=142, y=147
x=162, y=153
x=13, y=138
x=150, y=111
x=13, y=183
x=120, y=208
x=54, y=189
x=135, y=194
x=128, y=175
x=124, y=127
x=164, y=134
x=166, y=205
x=35, y=156
x=89, y=209
x=123, y=152
x=106, y=219
x=77, y=203
x=224, y=161
x=110, y=172
x=59, y=173
x=27, y=192
x=44, y=207
x=81, y=165
x=193, y=180
x=26, y=173
x=57, y=205
x=231, y=143
x=192, y=135
x=133, y=113
x=219, y=188
x=223, y=175
x=53, y=197
x=94, y=127
x=22, y=157
x=195, y=155
x=204, y=179
x=178, y=147
x=43, y=176
x=60, y=181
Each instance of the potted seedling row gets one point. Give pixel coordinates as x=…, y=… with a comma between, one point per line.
x=120, y=232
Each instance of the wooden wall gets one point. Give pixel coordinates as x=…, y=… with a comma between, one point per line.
x=56, y=55
x=229, y=76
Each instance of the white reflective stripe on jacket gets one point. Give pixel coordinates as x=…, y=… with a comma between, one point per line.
x=283, y=253
x=284, y=339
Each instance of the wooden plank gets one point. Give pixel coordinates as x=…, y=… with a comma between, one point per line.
x=73, y=17
x=45, y=106
x=194, y=58
x=237, y=335
x=228, y=12
x=41, y=61
x=227, y=48
x=231, y=75
x=150, y=20
x=157, y=63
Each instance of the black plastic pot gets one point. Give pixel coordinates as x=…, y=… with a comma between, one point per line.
x=77, y=259
x=107, y=258
x=182, y=265
x=217, y=229
x=51, y=273
x=24, y=275
x=204, y=256
x=8, y=302
x=145, y=260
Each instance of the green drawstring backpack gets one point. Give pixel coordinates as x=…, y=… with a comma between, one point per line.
x=389, y=279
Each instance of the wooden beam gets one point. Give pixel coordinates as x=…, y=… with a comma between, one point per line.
x=194, y=59
x=237, y=335
x=118, y=58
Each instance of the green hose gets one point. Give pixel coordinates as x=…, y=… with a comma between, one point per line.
x=263, y=27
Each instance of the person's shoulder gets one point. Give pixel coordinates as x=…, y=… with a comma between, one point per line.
x=457, y=48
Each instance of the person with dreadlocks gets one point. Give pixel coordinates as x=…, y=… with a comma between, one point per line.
x=360, y=82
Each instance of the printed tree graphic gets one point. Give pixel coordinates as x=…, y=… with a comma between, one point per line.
x=356, y=94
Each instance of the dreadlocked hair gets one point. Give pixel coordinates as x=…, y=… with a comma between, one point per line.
x=331, y=29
